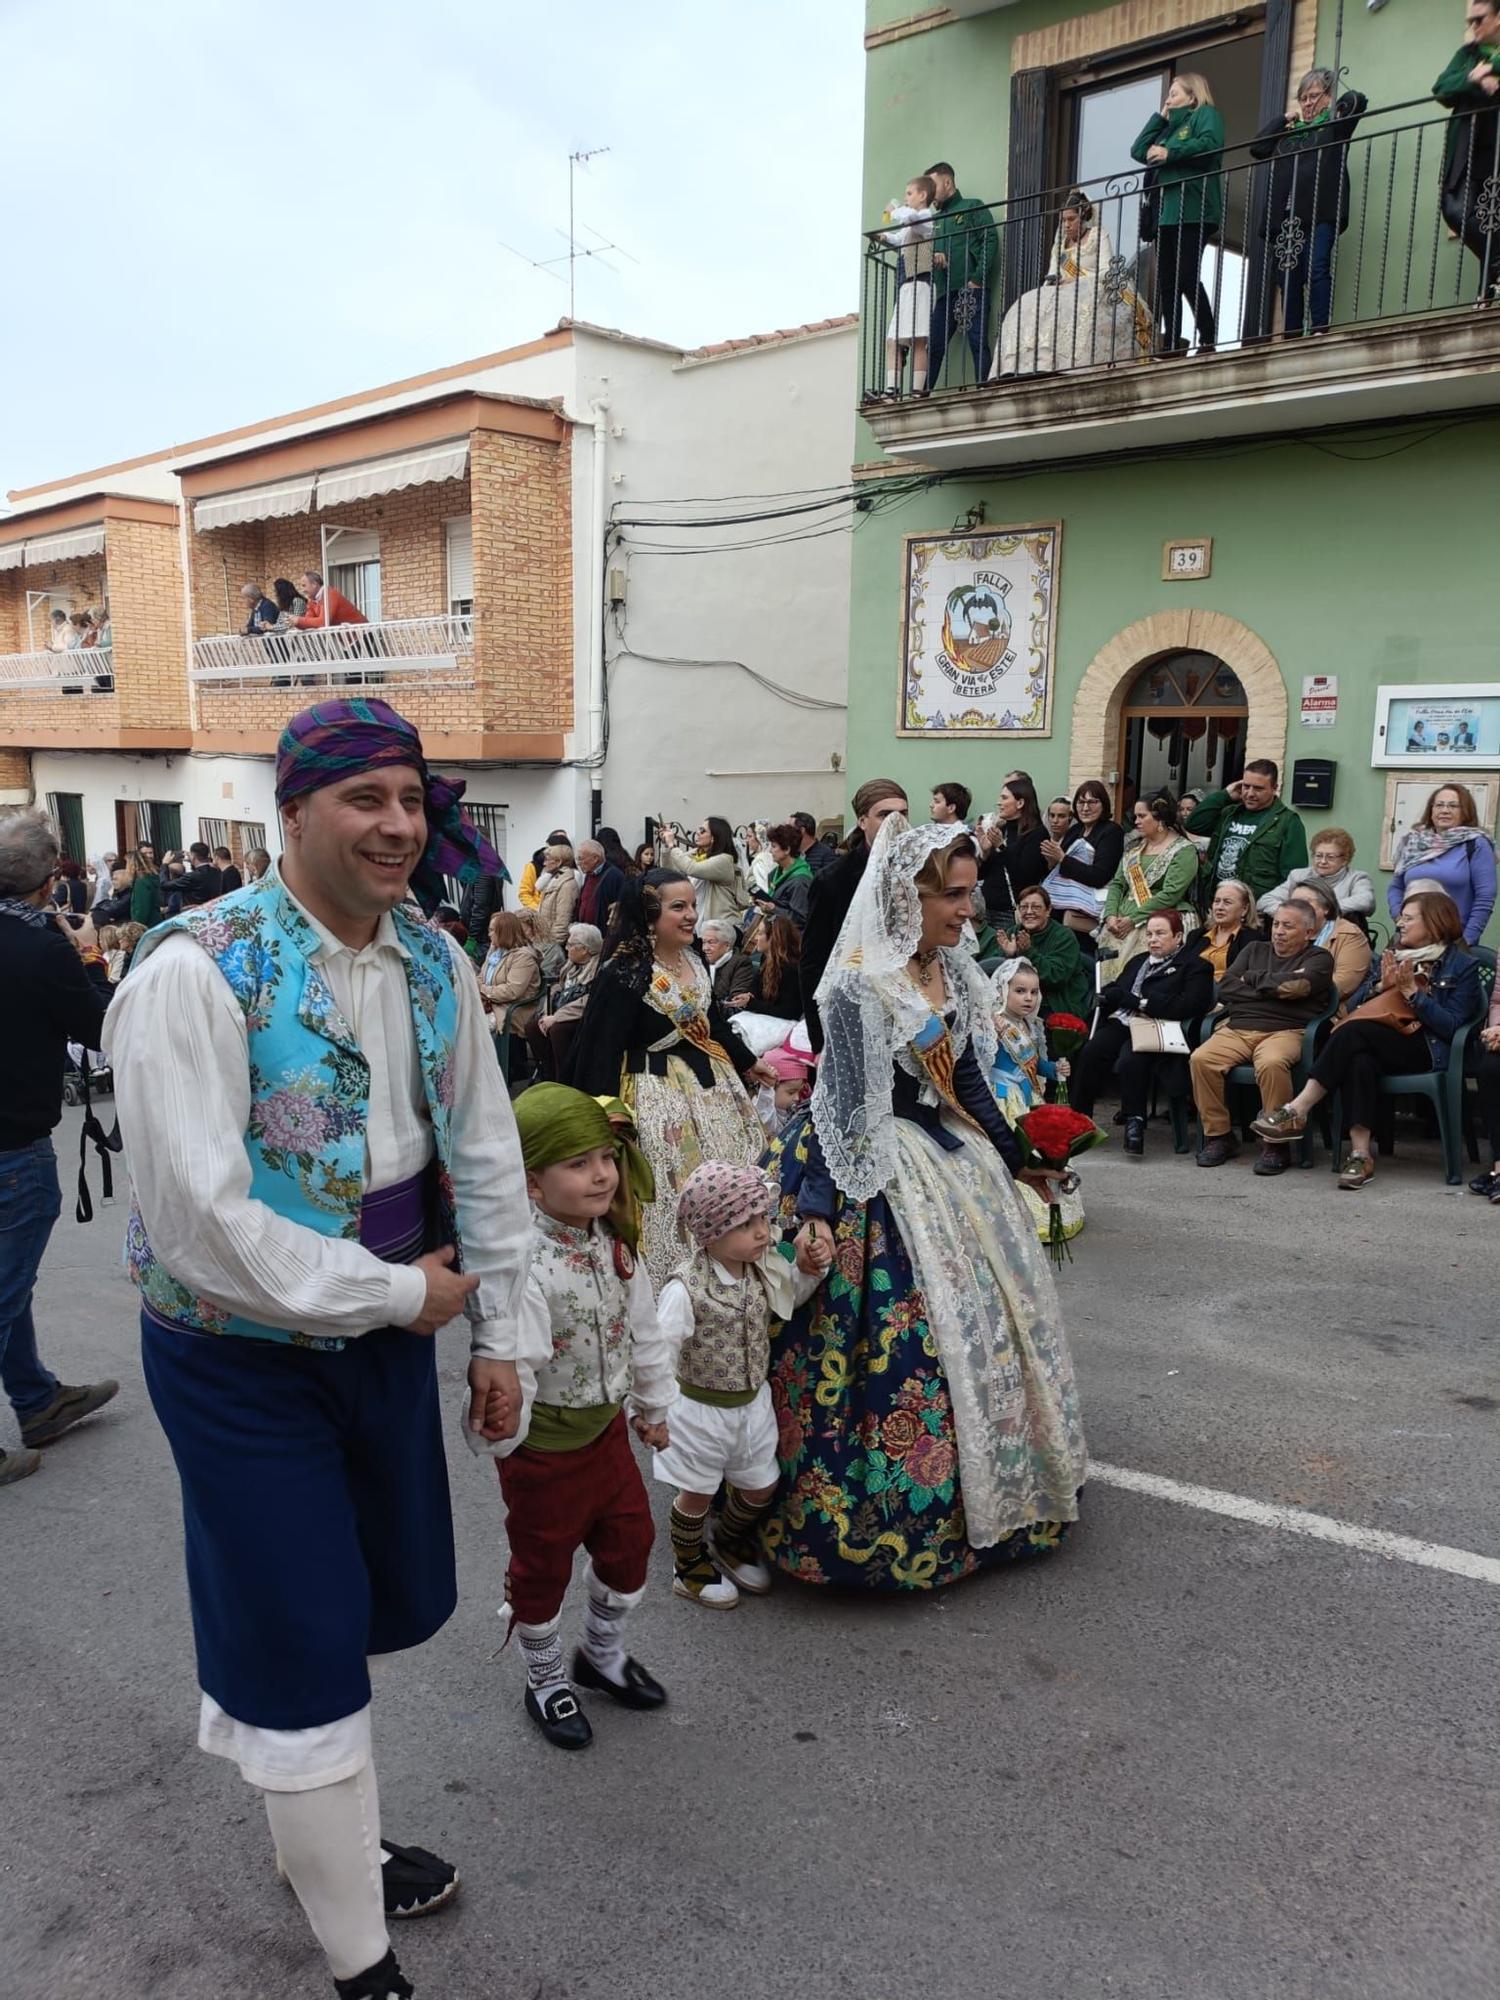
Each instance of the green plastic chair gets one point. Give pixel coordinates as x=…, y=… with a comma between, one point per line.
x=1242, y=1076
x=1443, y=1089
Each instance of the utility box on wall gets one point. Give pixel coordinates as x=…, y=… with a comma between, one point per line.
x=1312, y=783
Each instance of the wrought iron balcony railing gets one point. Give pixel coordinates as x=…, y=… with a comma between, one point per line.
x=85, y=670
x=438, y=650
x=1321, y=230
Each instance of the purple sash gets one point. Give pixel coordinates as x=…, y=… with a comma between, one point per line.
x=394, y=1221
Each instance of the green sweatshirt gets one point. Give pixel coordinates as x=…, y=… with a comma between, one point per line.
x=1067, y=987
x=1194, y=143
x=965, y=234
x=1259, y=849
x=1454, y=89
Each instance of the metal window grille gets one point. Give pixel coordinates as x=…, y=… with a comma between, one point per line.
x=65, y=809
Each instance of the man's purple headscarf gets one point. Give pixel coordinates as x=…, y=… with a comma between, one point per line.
x=340, y=739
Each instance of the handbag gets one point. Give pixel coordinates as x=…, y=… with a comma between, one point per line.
x=1390, y=1007
x=1149, y=1036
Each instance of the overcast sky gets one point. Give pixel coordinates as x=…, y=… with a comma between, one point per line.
x=217, y=212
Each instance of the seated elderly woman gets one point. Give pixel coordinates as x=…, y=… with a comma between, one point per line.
x=1054, y=952
x=1345, y=940
x=1171, y=981
x=1230, y=927
x=1332, y=854
x=548, y=1034
x=728, y=967
x=1400, y=1022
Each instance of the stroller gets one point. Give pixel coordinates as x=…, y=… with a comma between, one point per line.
x=76, y=1090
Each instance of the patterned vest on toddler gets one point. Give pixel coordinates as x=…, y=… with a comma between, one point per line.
x=728, y=1353
x=309, y=1083
x=584, y=1276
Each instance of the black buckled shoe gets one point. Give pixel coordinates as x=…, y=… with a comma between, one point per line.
x=1135, y=1138
x=638, y=1690
x=416, y=1882
x=560, y=1719
x=381, y=1982
x=1486, y=1185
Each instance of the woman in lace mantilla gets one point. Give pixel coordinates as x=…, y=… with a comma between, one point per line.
x=927, y=1415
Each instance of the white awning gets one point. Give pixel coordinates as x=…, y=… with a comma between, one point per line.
x=390, y=475
x=58, y=548
x=12, y=555
x=256, y=503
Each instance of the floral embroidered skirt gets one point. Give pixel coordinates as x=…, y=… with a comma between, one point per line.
x=680, y=1126
x=872, y=1493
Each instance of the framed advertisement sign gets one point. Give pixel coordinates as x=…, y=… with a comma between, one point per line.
x=1418, y=725
x=979, y=632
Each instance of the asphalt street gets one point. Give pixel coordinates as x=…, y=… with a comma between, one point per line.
x=1185, y=1759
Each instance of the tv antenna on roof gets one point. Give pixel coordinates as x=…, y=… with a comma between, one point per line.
x=602, y=249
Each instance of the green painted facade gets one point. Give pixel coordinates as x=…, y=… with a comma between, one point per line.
x=1346, y=555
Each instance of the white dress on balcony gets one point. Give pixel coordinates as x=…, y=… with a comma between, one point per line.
x=1087, y=315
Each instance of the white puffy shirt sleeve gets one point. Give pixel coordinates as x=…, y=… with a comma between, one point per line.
x=175, y=1038
x=653, y=1372
x=489, y=1180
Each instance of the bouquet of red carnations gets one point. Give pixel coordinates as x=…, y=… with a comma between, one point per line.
x=1051, y=1136
x=1065, y=1033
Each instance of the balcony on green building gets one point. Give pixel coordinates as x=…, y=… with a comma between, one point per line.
x=1262, y=298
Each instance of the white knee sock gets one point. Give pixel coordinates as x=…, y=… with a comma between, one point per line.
x=918, y=379
x=604, y=1626
x=541, y=1647
x=329, y=1843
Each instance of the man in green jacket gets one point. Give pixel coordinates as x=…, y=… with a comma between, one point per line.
x=1470, y=87
x=964, y=248
x=1256, y=838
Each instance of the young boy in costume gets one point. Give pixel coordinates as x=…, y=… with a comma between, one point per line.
x=716, y=1311
x=573, y=1482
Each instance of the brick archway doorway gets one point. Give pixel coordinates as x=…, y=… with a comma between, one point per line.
x=1099, y=706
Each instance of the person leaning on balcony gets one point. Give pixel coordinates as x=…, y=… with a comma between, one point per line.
x=1307, y=204
x=1268, y=996
x=261, y=612
x=290, y=603
x=964, y=249
x=325, y=605
x=1184, y=141
x=1253, y=835
x=1470, y=87
x=57, y=638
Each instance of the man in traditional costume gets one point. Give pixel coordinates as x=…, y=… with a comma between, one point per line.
x=325, y=1172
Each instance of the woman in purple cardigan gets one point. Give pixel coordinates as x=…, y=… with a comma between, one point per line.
x=1448, y=848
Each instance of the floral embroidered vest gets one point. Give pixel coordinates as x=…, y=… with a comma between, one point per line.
x=309, y=1083
x=588, y=1303
x=729, y=1349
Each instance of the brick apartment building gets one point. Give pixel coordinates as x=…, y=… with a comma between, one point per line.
x=466, y=512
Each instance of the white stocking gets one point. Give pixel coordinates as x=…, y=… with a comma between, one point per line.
x=604, y=1626
x=329, y=1843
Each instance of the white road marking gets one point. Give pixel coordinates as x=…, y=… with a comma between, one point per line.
x=1295, y=1521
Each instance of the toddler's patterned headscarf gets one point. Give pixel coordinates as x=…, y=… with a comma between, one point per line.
x=339, y=739
x=717, y=1197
